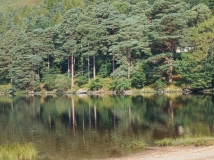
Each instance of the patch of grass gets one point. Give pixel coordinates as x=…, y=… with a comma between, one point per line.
x=135, y=144
x=18, y=152
x=186, y=141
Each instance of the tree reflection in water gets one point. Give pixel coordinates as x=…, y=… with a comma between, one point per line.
x=101, y=126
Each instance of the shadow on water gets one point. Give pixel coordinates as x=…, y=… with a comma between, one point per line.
x=72, y=127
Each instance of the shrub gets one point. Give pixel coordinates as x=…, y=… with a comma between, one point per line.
x=159, y=84
x=49, y=77
x=81, y=81
x=62, y=82
x=120, y=85
x=95, y=84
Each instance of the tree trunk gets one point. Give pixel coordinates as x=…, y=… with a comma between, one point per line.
x=129, y=65
x=113, y=65
x=69, y=71
x=88, y=68
x=170, y=73
x=72, y=70
x=82, y=65
x=48, y=61
x=38, y=73
x=94, y=68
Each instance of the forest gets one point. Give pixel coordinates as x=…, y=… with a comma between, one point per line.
x=107, y=44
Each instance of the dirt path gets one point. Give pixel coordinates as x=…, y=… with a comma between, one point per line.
x=173, y=153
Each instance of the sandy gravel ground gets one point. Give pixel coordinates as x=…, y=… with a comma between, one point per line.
x=173, y=153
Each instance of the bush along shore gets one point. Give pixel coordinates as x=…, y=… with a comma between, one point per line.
x=86, y=91
x=186, y=141
x=8, y=89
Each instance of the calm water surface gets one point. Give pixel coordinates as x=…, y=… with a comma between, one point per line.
x=101, y=126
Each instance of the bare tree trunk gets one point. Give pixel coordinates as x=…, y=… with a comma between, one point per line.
x=88, y=68
x=129, y=65
x=48, y=61
x=82, y=65
x=94, y=68
x=69, y=71
x=72, y=70
x=113, y=65
x=170, y=73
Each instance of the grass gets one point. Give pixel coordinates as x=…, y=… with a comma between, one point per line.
x=186, y=141
x=18, y=152
x=134, y=144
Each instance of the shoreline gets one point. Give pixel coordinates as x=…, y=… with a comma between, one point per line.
x=169, y=153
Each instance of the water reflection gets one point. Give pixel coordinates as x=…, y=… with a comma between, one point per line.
x=71, y=127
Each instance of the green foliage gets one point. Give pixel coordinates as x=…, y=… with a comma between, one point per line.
x=42, y=22
x=81, y=81
x=159, y=84
x=120, y=85
x=62, y=82
x=49, y=77
x=122, y=7
x=138, y=77
x=104, y=70
x=196, y=66
x=108, y=38
x=95, y=84
x=135, y=144
x=17, y=3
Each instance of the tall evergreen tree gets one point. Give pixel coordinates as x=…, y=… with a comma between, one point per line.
x=68, y=37
x=169, y=23
x=133, y=42
x=6, y=46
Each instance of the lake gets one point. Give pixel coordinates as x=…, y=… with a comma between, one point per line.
x=88, y=127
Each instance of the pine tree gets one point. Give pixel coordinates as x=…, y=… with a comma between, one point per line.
x=169, y=22
x=68, y=39
x=133, y=42
x=6, y=45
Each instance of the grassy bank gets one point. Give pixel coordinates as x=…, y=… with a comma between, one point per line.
x=186, y=141
x=18, y=152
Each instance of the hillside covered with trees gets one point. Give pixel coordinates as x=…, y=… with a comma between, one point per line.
x=110, y=44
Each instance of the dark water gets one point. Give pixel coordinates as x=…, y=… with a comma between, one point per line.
x=101, y=126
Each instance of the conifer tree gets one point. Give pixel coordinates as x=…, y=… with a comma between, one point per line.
x=68, y=38
x=6, y=46
x=133, y=42
x=169, y=21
